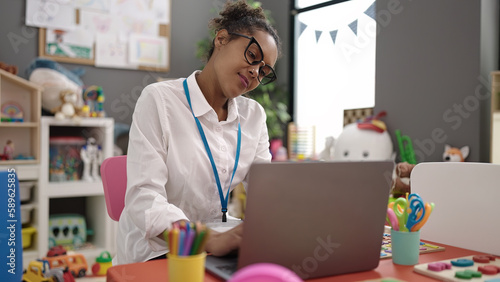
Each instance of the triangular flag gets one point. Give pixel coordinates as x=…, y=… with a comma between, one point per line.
x=318, y=34
x=303, y=26
x=333, y=35
x=354, y=27
x=371, y=11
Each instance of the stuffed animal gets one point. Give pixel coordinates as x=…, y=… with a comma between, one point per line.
x=68, y=107
x=366, y=140
x=453, y=154
x=10, y=68
x=54, y=78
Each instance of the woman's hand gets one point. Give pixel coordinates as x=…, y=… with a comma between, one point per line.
x=220, y=244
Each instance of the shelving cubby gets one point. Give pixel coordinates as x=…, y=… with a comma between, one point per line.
x=17, y=96
x=75, y=196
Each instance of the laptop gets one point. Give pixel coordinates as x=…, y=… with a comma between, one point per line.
x=315, y=218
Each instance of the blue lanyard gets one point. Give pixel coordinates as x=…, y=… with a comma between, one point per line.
x=223, y=200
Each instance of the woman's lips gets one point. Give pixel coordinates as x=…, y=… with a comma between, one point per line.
x=244, y=80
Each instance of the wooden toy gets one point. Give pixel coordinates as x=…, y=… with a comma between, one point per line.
x=76, y=263
x=480, y=268
x=424, y=247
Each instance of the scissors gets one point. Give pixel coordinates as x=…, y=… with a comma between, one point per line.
x=416, y=210
x=428, y=211
x=392, y=219
x=399, y=209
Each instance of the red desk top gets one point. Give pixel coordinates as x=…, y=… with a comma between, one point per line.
x=157, y=270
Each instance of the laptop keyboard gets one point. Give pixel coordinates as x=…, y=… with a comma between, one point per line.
x=228, y=268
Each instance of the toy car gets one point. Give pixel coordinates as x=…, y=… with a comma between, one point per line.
x=38, y=271
x=76, y=263
x=56, y=251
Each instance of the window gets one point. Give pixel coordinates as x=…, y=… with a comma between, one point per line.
x=334, y=63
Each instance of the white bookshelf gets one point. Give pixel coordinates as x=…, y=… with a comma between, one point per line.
x=91, y=193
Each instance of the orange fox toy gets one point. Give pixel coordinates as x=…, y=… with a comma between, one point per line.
x=453, y=154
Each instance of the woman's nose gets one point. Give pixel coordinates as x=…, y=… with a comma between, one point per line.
x=253, y=70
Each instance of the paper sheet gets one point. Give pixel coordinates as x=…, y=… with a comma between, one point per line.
x=111, y=52
x=73, y=44
x=54, y=14
x=148, y=50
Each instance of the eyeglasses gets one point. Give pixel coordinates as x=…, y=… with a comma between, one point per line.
x=255, y=56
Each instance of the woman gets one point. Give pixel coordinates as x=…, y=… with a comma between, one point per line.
x=194, y=139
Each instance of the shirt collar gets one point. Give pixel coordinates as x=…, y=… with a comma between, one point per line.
x=200, y=104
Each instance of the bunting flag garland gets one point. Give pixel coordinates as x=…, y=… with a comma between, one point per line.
x=333, y=35
x=354, y=27
x=318, y=34
x=303, y=26
x=370, y=12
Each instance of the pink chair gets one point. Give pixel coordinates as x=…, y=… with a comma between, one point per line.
x=114, y=181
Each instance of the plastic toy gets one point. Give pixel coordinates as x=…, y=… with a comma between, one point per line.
x=103, y=262
x=478, y=268
x=76, y=263
x=65, y=161
x=39, y=270
x=8, y=151
x=91, y=155
x=265, y=272
x=93, y=97
x=56, y=251
x=364, y=141
x=453, y=154
x=67, y=229
x=68, y=107
x=407, y=154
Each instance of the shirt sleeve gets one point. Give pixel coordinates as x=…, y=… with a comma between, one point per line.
x=262, y=154
x=146, y=201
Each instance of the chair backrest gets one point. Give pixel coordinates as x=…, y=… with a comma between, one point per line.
x=114, y=182
x=466, y=196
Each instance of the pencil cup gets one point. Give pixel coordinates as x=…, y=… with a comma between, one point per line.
x=186, y=268
x=405, y=247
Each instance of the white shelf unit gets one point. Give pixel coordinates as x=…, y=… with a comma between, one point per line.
x=90, y=193
x=495, y=117
x=495, y=138
x=20, y=95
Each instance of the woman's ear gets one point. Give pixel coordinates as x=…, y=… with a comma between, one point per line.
x=221, y=38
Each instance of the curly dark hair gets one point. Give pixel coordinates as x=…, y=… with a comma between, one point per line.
x=240, y=17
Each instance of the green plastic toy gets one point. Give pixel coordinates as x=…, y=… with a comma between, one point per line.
x=406, y=151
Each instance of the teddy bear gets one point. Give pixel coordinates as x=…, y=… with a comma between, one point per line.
x=68, y=108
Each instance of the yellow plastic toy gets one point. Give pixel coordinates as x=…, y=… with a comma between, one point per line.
x=103, y=262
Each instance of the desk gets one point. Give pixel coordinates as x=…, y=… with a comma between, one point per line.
x=156, y=271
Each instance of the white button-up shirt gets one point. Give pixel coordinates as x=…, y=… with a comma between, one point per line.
x=169, y=175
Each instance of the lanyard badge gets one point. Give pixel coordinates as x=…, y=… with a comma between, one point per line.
x=223, y=200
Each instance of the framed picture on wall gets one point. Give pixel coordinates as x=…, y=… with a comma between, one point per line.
x=132, y=34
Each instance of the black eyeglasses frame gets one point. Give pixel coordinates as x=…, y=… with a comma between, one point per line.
x=272, y=75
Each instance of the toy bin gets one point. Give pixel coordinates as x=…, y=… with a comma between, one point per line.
x=28, y=233
x=25, y=188
x=65, y=161
x=26, y=213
